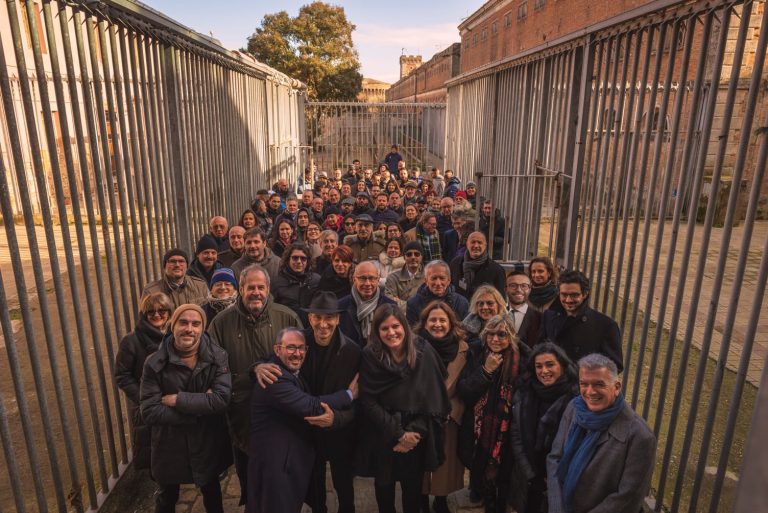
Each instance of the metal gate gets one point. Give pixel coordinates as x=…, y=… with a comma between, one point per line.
x=340, y=132
x=653, y=127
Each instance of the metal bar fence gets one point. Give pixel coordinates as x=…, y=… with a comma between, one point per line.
x=122, y=133
x=648, y=160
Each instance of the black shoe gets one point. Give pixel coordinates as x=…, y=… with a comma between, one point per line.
x=440, y=504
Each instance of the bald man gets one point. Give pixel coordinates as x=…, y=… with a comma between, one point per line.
x=219, y=227
x=358, y=307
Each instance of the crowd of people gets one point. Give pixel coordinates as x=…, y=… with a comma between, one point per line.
x=361, y=322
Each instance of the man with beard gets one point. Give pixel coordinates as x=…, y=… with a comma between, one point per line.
x=365, y=245
x=384, y=214
x=426, y=234
x=403, y=284
x=247, y=331
x=176, y=283
x=444, y=217
x=453, y=242
x=437, y=286
x=236, y=247
x=205, y=262
x=331, y=364
x=526, y=320
x=257, y=252
x=274, y=206
x=579, y=329
x=476, y=267
x=360, y=305
x=543, y=274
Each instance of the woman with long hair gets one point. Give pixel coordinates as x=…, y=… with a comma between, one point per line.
x=247, y=219
x=410, y=218
x=337, y=277
x=485, y=303
x=544, y=275
x=487, y=386
x=391, y=259
x=283, y=235
x=551, y=381
x=302, y=223
x=404, y=405
x=312, y=239
x=439, y=327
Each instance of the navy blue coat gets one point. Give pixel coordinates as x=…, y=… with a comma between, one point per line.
x=423, y=297
x=281, y=451
x=349, y=324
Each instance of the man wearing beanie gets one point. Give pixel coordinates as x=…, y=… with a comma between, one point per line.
x=205, y=262
x=175, y=283
x=403, y=284
x=185, y=388
x=223, y=293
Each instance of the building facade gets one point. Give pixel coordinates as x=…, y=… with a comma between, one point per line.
x=426, y=83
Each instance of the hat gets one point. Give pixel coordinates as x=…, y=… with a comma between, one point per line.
x=175, y=252
x=262, y=192
x=410, y=183
x=324, y=303
x=183, y=308
x=471, y=184
x=333, y=209
x=224, y=274
x=414, y=245
x=348, y=201
x=461, y=194
x=422, y=200
x=364, y=218
x=322, y=174
x=206, y=242
x=362, y=193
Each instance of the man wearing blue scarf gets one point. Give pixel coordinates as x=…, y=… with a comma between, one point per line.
x=602, y=458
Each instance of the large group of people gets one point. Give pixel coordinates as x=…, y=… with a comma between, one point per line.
x=361, y=321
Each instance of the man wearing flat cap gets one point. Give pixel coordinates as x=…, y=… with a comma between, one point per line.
x=365, y=245
x=331, y=364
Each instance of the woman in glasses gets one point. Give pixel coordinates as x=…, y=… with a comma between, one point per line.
x=485, y=303
x=486, y=386
x=404, y=405
x=295, y=282
x=348, y=226
x=154, y=312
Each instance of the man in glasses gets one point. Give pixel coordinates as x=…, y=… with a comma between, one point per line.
x=579, y=329
x=295, y=283
x=403, y=284
x=282, y=452
x=176, y=283
x=360, y=305
x=527, y=321
x=247, y=331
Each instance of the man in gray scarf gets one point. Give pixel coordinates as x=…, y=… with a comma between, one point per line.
x=476, y=267
x=360, y=305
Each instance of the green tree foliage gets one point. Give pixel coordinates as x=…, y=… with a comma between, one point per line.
x=315, y=47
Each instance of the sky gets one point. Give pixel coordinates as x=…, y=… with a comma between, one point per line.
x=385, y=29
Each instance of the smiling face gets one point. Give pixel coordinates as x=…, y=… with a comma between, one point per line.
x=175, y=268
x=222, y=290
x=539, y=274
x=334, y=196
x=254, y=291
x=437, y=279
x=571, y=297
x=158, y=316
x=207, y=258
x=498, y=340
x=598, y=388
x=438, y=324
x=323, y=326
x=411, y=212
x=188, y=328
x=518, y=289
x=285, y=231
x=476, y=245
x=249, y=221
x=487, y=307
x=297, y=261
x=393, y=249
x=328, y=243
x=291, y=350
x=366, y=279
x=236, y=241
x=392, y=333
x=548, y=369
x=341, y=267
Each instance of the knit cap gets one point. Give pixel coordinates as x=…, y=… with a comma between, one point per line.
x=183, y=308
x=413, y=246
x=224, y=274
x=174, y=252
x=206, y=242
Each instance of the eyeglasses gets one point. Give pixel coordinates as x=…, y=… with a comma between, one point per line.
x=499, y=334
x=298, y=258
x=291, y=349
x=412, y=254
x=519, y=286
x=570, y=295
x=367, y=278
x=486, y=303
x=162, y=313
x=347, y=223
x=176, y=261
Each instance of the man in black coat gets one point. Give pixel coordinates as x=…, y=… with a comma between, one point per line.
x=282, y=453
x=476, y=267
x=359, y=306
x=579, y=329
x=526, y=319
x=437, y=286
x=331, y=364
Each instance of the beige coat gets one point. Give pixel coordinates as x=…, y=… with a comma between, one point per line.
x=194, y=290
x=401, y=287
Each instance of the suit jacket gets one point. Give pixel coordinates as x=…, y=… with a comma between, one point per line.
x=617, y=478
x=281, y=453
x=530, y=329
x=583, y=334
x=349, y=324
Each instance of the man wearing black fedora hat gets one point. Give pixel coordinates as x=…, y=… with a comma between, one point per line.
x=331, y=363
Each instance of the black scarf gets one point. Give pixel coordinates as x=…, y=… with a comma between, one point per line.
x=293, y=275
x=536, y=403
x=540, y=296
x=149, y=336
x=316, y=364
x=447, y=347
x=471, y=265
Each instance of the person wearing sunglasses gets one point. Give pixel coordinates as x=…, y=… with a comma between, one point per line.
x=154, y=312
x=403, y=284
x=295, y=283
x=487, y=386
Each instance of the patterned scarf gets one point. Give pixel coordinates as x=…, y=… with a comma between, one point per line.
x=430, y=244
x=365, y=310
x=492, y=417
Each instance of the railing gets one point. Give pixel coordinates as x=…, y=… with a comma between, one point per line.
x=122, y=133
x=634, y=117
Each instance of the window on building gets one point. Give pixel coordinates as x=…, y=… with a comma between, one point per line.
x=507, y=19
x=466, y=44
x=494, y=28
x=539, y=4
x=522, y=10
x=484, y=36
x=475, y=39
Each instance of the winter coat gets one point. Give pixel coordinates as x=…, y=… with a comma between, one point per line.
x=491, y=273
x=438, y=183
x=365, y=250
x=295, y=291
x=189, y=441
x=330, y=281
x=270, y=262
x=228, y=257
x=388, y=266
x=196, y=270
x=349, y=324
x=452, y=187
x=385, y=216
x=129, y=366
x=281, y=454
x=247, y=340
x=193, y=290
x=424, y=296
x=401, y=287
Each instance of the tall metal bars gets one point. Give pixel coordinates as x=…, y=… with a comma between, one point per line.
x=122, y=134
x=340, y=132
x=653, y=130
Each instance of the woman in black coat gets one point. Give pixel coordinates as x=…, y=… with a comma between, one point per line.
x=185, y=390
x=295, y=283
x=552, y=380
x=154, y=312
x=487, y=387
x=337, y=276
x=404, y=406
